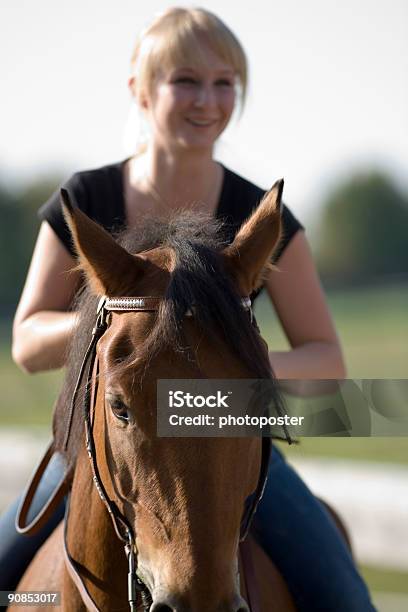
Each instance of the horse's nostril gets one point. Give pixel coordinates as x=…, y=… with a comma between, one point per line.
x=242, y=606
x=161, y=608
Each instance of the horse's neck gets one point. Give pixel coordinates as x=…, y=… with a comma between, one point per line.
x=93, y=544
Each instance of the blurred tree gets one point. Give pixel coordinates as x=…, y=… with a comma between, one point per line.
x=18, y=230
x=11, y=248
x=364, y=230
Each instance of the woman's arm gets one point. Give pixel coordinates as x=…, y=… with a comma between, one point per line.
x=300, y=303
x=42, y=326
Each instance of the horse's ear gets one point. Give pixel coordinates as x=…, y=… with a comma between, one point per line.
x=255, y=242
x=107, y=266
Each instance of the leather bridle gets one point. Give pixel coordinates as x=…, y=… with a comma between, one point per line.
x=123, y=529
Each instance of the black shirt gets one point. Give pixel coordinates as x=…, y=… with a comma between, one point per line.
x=100, y=194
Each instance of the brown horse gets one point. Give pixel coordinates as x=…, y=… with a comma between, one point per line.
x=183, y=498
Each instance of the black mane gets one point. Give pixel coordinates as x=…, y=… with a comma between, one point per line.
x=198, y=280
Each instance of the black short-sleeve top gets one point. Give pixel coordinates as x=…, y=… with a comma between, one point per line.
x=100, y=194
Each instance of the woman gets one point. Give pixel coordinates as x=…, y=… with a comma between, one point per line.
x=186, y=70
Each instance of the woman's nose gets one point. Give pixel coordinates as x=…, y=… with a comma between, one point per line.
x=205, y=97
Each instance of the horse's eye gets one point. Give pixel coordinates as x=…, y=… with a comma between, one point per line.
x=118, y=407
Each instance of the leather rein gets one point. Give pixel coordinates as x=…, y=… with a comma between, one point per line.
x=121, y=526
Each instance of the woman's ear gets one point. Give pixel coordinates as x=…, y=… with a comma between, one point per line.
x=132, y=85
x=138, y=96
x=143, y=101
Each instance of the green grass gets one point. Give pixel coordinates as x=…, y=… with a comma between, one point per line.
x=25, y=399
x=385, y=580
x=372, y=325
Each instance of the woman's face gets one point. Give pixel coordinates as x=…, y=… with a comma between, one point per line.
x=190, y=107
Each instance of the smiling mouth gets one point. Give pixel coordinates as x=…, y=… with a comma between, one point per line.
x=202, y=123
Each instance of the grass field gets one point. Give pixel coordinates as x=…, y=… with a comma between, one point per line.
x=372, y=325
x=381, y=579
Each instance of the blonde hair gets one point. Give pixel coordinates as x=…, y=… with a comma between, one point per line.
x=171, y=39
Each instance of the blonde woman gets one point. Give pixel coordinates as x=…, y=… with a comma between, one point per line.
x=188, y=70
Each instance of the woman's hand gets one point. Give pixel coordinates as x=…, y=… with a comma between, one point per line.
x=298, y=298
x=42, y=325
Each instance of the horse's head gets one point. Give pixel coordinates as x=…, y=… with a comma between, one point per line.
x=183, y=497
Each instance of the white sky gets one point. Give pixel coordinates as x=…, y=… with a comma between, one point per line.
x=328, y=88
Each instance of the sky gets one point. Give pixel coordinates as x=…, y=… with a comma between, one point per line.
x=328, y=91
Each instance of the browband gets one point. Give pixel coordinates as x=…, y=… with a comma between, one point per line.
x=146, y=304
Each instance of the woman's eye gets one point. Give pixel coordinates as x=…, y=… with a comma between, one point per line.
x=119, y=408
x=224, y=83
x=186, y=80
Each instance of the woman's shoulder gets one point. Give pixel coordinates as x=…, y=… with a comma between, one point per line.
x=101, y=171
x=243, y=188
x=84, y=184
x=98, y=192
x=91, y=181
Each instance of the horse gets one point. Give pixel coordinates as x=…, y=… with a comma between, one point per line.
x=175, y=306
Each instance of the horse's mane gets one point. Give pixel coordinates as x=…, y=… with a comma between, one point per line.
x=198, y=280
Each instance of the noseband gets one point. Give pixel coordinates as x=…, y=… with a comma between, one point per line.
x=122, y=528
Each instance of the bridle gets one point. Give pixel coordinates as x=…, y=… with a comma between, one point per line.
x=124, y=531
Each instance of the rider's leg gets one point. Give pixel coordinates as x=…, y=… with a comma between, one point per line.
x=303, y=541
x=16, y=551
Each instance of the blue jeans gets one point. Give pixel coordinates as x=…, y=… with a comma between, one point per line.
x=293, y=526
x=16, y=550
x=301, y=538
